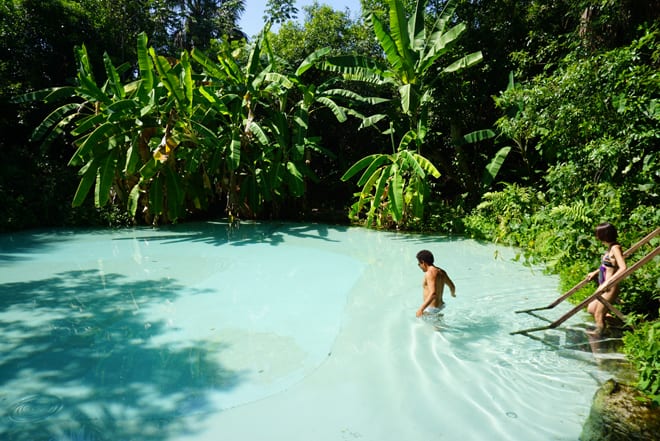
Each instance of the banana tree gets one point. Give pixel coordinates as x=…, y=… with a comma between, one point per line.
x=169, y=141
x=235, y=95
x=391, y=182
x=298, y=100
x=411, y=53
x=266, y=119
x=132, y=140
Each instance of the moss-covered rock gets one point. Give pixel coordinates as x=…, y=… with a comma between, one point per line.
x=619, y=413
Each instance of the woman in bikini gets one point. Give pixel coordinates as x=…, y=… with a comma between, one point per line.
x=611, y=264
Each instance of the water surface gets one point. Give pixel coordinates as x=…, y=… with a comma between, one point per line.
x=277, y=332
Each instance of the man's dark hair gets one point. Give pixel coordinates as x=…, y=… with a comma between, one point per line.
x=606, y=232
x=425, y=256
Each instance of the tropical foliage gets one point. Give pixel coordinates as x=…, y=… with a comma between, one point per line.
x=37, y=40
x=165, y=143
x=396, y=185
x=590, y=133
x=642, y=347
x=587, y=136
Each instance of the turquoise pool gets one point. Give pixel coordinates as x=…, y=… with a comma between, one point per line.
x=275, y=331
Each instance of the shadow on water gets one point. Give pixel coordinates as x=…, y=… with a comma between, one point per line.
x=425, y=238
x=16, y=247
x=81, y=362
x=244, y=233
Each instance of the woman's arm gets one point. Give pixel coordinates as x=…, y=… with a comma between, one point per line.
x=617, y=254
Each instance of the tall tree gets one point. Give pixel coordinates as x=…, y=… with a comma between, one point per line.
x=280, y=11
x=201, y=21
x=322, y=26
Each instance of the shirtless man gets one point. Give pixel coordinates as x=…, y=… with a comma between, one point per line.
x=435, y=280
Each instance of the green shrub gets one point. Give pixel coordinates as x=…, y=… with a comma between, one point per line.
x=441, y=218
x=643, y=349
x=505, y=216
x=637, y=291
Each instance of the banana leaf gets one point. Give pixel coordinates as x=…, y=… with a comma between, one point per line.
x=104, y=179
x=52, y=121
x=99, y=136
x=399, y=32
x=88, y=176
x=494, y=166
x=395, y=194
x=134, y=199
x=311, y=60
x=466, y=61
x=359, y=165
x=389, y=45
x=336, y=110
x=113, y=77
x=376, y=164
x=145, y=66
x=175, y=194
x=156, y=195
x=295, y=179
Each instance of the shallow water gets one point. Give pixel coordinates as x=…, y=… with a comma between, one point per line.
x=277, y=332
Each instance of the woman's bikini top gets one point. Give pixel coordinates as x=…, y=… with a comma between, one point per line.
x=606, y=262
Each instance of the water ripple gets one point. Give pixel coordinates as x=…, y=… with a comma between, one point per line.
x=35, y=408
